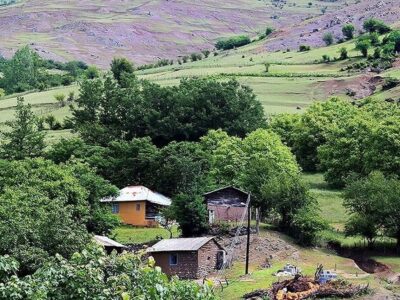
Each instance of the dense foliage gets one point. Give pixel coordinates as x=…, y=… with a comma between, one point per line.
x=340, y=138
x=47, y=209
x=375, y=207
x=23, y=138
x=26, y=70
x=232, y=42
x=108, y=110
x=91, y=274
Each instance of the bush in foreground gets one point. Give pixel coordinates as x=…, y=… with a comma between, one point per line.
x=91, y=274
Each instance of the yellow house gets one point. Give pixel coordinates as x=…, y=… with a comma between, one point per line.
x=138, y=205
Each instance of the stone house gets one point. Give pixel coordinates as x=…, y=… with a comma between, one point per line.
x=226, y=204
x=188, y=258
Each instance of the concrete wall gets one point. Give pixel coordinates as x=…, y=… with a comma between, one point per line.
x=131, y=215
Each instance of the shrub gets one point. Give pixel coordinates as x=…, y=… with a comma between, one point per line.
x=269, y=30
x=326, y=58
x=60, y=98
x=343, y=53
x=232, y=42
x=390, y=83
x=374, y=25
x=206, y=53
x=348, y=31
x=195, y=56
x=303, y=48
x=363, y=45
x=328, y=38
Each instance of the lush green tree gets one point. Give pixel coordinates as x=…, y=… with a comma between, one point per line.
x=286, y=126
x=343, y=53
x=316, y=123
x=182, y=168
x=392, y=40
x=21, y=72
x=106, y=111
x=232, y=42
x=367, y=141
x=343, y=150
x=362, y=45
x=92, y=72
x=47, y=209
x=24, y=138
x=119, y=66
x=374, y=203
x=328, y=38
x=306, y=225
x=348, y=31
x=91, y=274
x=375, y=25
x=374, y=38
x=190, y=212
x=226, y=158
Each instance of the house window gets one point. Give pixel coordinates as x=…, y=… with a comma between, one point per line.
x=115, y=208
x=173, y=259
x=138, y=207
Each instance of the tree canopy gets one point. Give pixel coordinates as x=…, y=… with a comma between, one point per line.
x=107, y=110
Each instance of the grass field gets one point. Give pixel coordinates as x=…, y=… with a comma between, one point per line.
x=138, y=235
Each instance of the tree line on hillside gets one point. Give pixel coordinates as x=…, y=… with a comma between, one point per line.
x=26, y=70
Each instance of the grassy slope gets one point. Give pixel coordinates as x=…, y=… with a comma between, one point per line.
x=138, y=235
x=298, y=84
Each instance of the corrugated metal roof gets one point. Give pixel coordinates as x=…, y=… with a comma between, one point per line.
x=224, y=188
x=107, y=242
x=181, y=244
x=139, y=193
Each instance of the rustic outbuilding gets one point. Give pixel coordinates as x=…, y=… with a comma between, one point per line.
x=109, y=244
x=226, y=204
x=188, y=258
x=138, y=205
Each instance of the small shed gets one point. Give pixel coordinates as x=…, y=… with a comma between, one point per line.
x=188, y=258
x=226, y=204
x=109, y=244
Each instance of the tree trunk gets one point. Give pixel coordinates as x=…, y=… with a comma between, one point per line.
x=258, y=218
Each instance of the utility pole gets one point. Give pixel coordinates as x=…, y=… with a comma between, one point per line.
x=248, y=237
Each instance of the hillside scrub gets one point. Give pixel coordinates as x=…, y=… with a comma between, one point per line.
x=232, y=42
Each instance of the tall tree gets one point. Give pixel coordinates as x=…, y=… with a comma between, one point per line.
x=21, y=72
x=24, y=139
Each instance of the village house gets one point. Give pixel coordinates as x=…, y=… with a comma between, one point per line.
x=226, y=204
x=138, y=205
x=188, y=258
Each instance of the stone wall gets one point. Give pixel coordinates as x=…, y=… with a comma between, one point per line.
x=208, y=258
x=186, y=268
